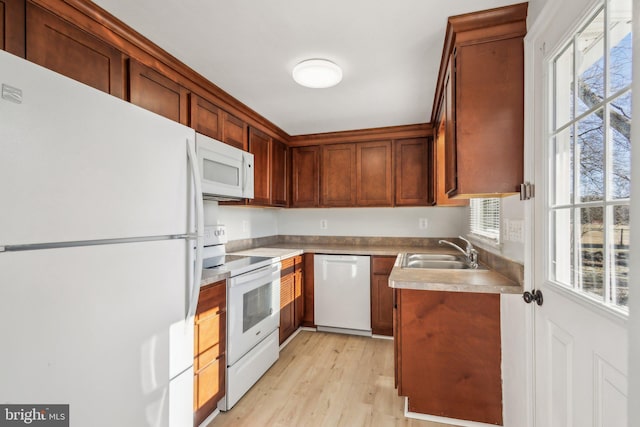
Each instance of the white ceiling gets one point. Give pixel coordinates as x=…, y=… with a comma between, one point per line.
x=389, y=52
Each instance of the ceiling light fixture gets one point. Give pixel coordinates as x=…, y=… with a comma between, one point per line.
x=317, y=73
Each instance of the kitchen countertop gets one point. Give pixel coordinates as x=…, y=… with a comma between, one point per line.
x=481, y=281
x=433, y=279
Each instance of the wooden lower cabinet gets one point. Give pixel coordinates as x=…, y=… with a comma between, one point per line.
x=448, y=354
x=381, y=295
x=291, y=296
x=209, y=360
x=308, y=318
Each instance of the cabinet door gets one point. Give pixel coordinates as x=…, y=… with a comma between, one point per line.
x=279, y=173
x=374, y=186
x=439, y=161
x=12, y=26
x=412, y=172
x=260, y=147
x=234, y=131
x=151, y=90
x=287, y=306
x=205, y=118
x=60, y=46
x=449, y=158
x=338, y=175
x=489, y=118
x=305, y=177
x=381, y=295
x=448, y=368
x=299, y=291
x=308, y=290
x=209, y=360
x=208, y=388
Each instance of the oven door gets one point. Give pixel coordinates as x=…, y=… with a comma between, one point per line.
x=253, y=309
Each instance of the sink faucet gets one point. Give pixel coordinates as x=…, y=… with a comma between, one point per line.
x=469, y=252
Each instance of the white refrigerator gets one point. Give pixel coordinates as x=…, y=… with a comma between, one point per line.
x=100, y=259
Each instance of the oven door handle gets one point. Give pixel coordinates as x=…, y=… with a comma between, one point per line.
x=260, y=276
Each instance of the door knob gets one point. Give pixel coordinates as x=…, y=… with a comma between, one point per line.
x=534, y=295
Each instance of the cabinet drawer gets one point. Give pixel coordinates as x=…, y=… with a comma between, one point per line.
x=209, y=340
x=290, y=264
x=382, y=264
x=212, y=300
x=208, y=389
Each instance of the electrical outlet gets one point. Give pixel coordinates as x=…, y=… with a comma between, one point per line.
x=324, y=224
x=515, y=230
x=422, y=223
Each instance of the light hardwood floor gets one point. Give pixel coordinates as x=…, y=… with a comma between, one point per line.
x=324, y=379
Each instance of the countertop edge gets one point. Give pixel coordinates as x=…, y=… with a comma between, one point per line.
x=481, y=282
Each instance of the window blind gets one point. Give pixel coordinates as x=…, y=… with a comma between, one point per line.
x=484, y=218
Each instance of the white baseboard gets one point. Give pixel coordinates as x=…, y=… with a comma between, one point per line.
x=443, y=420
x=210, y=418
x=382, y=337
x=344, y=331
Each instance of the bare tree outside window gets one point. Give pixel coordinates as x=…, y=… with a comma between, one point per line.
x=592, y=151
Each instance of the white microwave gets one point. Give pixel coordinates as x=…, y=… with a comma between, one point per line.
x=226, y=172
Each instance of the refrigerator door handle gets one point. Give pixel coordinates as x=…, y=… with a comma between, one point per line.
x=195, y=285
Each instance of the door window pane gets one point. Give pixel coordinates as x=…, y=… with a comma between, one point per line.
x=619, y=13
x=591, y=256
x=620, y=137
x=563, y=87
x=563, y=178
x=590, y=131
x=562, y=262
x=619, y=250
x=590, y=64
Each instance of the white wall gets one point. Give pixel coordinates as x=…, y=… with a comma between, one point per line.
x=242, y=222
x=384, y=222
x=512, y=211
x=634, y=300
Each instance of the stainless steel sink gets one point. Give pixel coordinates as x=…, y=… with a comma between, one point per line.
x=437, y=261
x=435, y=257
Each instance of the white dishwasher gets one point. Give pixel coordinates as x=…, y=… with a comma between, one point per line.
x=342, y=293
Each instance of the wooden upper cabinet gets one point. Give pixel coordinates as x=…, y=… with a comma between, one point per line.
x=12, y=26
x=489, y=104
x=279, y=173
x=305, y=177
x=374, y=180
x=412, y=172
x=205, y=118
x=64, y=48
x=338, y=187
x=260, y=147
x=234, y=131
x=450, y=147
x=441, y=196
x=481, y=86
x=155, y=92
